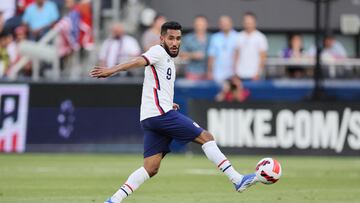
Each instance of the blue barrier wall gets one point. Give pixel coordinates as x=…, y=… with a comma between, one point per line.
x=105, y=116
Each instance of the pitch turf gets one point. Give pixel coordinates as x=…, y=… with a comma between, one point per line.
x=78, y=178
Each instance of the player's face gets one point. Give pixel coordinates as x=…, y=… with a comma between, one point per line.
x=171, y=42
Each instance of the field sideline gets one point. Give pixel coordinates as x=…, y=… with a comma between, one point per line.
x=87, y=178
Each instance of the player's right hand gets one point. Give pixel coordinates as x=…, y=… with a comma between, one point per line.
x=101, y=72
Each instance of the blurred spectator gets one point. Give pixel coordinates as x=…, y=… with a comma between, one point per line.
x=86, y=25
x=194, y=48
x=16, y=19
x=20, y=35
x=5, y=60
x=295, y=47
x=23, y=4
x=12, y=49
x=60, y=4
x=251, y=48
x=332, y=48
x=119, y=47
x=294, y=50
x=39, y=17
x=69, y=29
x=232, y=90
x=151, y=36
x=7, y=11
x=221, y=51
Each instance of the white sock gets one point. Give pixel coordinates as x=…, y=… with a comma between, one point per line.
x=214, y=154
x=134, y=181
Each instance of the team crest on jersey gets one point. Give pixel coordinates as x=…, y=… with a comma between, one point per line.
x=195, y=124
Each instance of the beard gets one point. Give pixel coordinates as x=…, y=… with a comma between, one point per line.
x=172, y=54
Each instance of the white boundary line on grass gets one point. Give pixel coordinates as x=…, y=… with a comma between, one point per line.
x=198, y=171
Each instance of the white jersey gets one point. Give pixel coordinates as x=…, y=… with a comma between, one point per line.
x=250, y=46
x=158, y=88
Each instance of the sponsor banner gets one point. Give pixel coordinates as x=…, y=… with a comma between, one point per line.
x=283, y=127
x=13, y=117
x=84, y=117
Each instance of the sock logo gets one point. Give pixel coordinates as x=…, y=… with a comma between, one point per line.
x=196, y=125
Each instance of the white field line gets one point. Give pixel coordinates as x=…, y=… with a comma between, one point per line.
x=198, y=171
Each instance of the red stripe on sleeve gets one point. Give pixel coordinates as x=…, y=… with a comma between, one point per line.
x=146, y=59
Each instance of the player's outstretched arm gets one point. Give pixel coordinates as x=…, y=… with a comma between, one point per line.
x=104, y=72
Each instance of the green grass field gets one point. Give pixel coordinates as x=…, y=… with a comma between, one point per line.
x=78, y=178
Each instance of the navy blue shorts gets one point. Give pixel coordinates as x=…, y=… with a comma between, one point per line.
x=159, y=131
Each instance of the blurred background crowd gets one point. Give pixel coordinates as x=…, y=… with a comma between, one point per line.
x=60, y=40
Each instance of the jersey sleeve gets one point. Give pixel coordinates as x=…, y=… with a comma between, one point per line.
x=153, y=55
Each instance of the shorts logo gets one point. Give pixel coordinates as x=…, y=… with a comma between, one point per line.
x=66, y=119
x=195, y=124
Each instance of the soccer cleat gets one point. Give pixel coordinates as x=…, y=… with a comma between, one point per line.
x=109, y=201
x=246, y=181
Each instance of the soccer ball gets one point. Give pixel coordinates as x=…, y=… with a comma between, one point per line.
x=268, y=170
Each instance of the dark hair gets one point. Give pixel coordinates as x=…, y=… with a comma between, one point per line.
x=171, y=25
x=5, y=33
x=250, y=13
x=329, y=34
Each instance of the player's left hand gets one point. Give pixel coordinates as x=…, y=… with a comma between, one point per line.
x=176, y=106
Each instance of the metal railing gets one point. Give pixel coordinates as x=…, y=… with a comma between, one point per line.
x=37, y=52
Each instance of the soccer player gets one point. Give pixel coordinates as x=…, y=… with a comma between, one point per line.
x=159, y=119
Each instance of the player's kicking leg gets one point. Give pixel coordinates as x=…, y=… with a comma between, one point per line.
x=213, y=153
x=138, y=177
